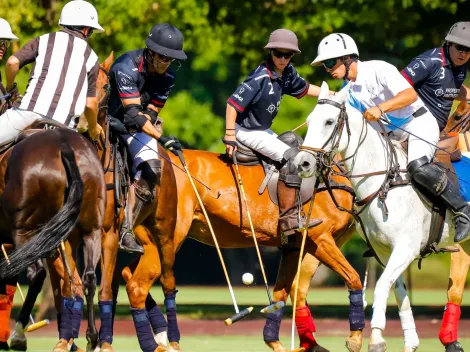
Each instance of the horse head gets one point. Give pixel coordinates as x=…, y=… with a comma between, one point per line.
x=458, y=121
x=325, y=130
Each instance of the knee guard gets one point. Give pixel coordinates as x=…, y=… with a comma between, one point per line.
x=428, y=175
x=288, y=172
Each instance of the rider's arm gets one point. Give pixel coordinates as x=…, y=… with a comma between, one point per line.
x=314, y=91
x=26, y=55
x=402, y=99
x=420, y=69
x=464, y=94
x=91, y=105
x=230, y=117
x=146, y=126
x=391, y=79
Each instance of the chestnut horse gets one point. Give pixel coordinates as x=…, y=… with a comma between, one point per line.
x=53, y=192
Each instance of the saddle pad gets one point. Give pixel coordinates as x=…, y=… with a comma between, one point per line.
x=462, y=168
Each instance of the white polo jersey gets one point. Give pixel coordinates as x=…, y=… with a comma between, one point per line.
x=378, y=81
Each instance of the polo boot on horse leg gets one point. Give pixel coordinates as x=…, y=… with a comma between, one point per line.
x=288, y=190
x=435, y=180
x=144, y=185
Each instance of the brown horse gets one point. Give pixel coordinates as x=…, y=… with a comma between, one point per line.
x=52, y=192
x=459, y=122
x=225, y=214
x=230, y=224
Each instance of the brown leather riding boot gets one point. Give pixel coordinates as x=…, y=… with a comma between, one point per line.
x=289, y=211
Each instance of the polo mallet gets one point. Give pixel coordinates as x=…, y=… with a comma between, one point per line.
x=302, y=247
x=272, y=306
x=34, y=326
x=238, y=314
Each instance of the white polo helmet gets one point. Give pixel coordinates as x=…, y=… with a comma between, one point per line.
x=5, y=30
x=333, y=46
x=80, y=13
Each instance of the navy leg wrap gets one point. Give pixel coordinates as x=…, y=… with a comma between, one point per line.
x=272, y=325
x=356, y=310
x=170, y=305
x=106, y=317
x=77, y=316
x=144, y=332
x=156, y=317
x=66, y=321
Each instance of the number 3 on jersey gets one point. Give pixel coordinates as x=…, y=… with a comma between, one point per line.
x=443, y=73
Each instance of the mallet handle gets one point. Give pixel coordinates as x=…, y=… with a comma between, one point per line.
x=236, y=317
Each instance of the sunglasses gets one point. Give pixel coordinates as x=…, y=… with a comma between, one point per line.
x=5, y=42
x=280, y=54
x=330, y=63
x=461, y=48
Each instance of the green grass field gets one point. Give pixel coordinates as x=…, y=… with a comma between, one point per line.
x=237, y=344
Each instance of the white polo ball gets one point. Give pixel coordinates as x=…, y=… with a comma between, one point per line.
x=247, y=278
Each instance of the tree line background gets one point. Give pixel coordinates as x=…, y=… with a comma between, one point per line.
x=224, y=40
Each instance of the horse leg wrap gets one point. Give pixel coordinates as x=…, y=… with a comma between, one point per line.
x=272, y=325
x=305, y=327
x=173, y=329
x=77, y=316
x=106, y=317
x=6, y=303
x=356, y=310
x=66, y=321
x=450, y=324
x=156, y=317
x=144, y=331
x=409, y=328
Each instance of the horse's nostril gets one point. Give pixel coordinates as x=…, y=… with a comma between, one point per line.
x=305, y=165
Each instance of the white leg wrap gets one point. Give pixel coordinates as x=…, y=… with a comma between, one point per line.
x=409, y=329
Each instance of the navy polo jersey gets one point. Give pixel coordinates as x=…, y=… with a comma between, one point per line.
x=129, y=79
x=258, y=97
x=436, y=81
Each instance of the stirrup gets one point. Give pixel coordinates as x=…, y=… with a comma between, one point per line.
x=137, y=248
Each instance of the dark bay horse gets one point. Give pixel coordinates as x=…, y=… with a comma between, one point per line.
x=52, y=190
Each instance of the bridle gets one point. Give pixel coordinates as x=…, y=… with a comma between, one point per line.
x=327, y=164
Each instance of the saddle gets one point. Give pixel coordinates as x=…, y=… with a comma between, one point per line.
x=248, y=157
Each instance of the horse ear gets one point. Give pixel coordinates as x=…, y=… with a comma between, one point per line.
x=324, y=91
x=109, y=61
x=341, y=96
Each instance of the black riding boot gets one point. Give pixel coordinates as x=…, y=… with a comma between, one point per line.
x=435, y=180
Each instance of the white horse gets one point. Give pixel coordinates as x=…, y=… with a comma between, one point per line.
x=397, y=238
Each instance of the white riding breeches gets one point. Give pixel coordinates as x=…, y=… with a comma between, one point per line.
x=264, y=142
x=426, y=128
x=13, y=121
x=141, y=147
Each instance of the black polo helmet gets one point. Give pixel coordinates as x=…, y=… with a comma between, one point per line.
x=166, y=40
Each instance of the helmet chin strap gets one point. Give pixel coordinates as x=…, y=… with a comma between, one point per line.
x=347, y=64
x=157, y=63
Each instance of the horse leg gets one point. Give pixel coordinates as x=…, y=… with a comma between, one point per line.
x=401, y=257
x=91, y=254
x=285, y=274
x=36, y=274
x=7, y=293
x=324, y=248
x=138, y=284
x=406, y=316
x=107, y=294
x=459, y=265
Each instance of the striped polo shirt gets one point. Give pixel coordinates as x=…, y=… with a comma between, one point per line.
x=64, y=75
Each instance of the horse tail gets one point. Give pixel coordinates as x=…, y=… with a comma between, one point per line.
x=49, y=236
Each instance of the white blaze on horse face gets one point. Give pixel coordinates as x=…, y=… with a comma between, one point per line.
x=321, y=123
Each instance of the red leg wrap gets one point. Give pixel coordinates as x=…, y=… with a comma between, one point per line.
x=450, y=324
x=6, y=303
x=305, y=327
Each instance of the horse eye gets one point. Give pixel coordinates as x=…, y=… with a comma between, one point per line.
x=329, y=122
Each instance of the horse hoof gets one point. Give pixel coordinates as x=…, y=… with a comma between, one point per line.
x=377, y=347
x=106, y=347
x=454, y=347
x=61, y=346
x=18, y=344
x=319, y=348
x=174, y=347
x=161, y=349
x=352, y=346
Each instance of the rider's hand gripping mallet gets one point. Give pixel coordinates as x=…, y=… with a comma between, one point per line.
x=33, y=326
x=272, y=306
x=239, y=314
